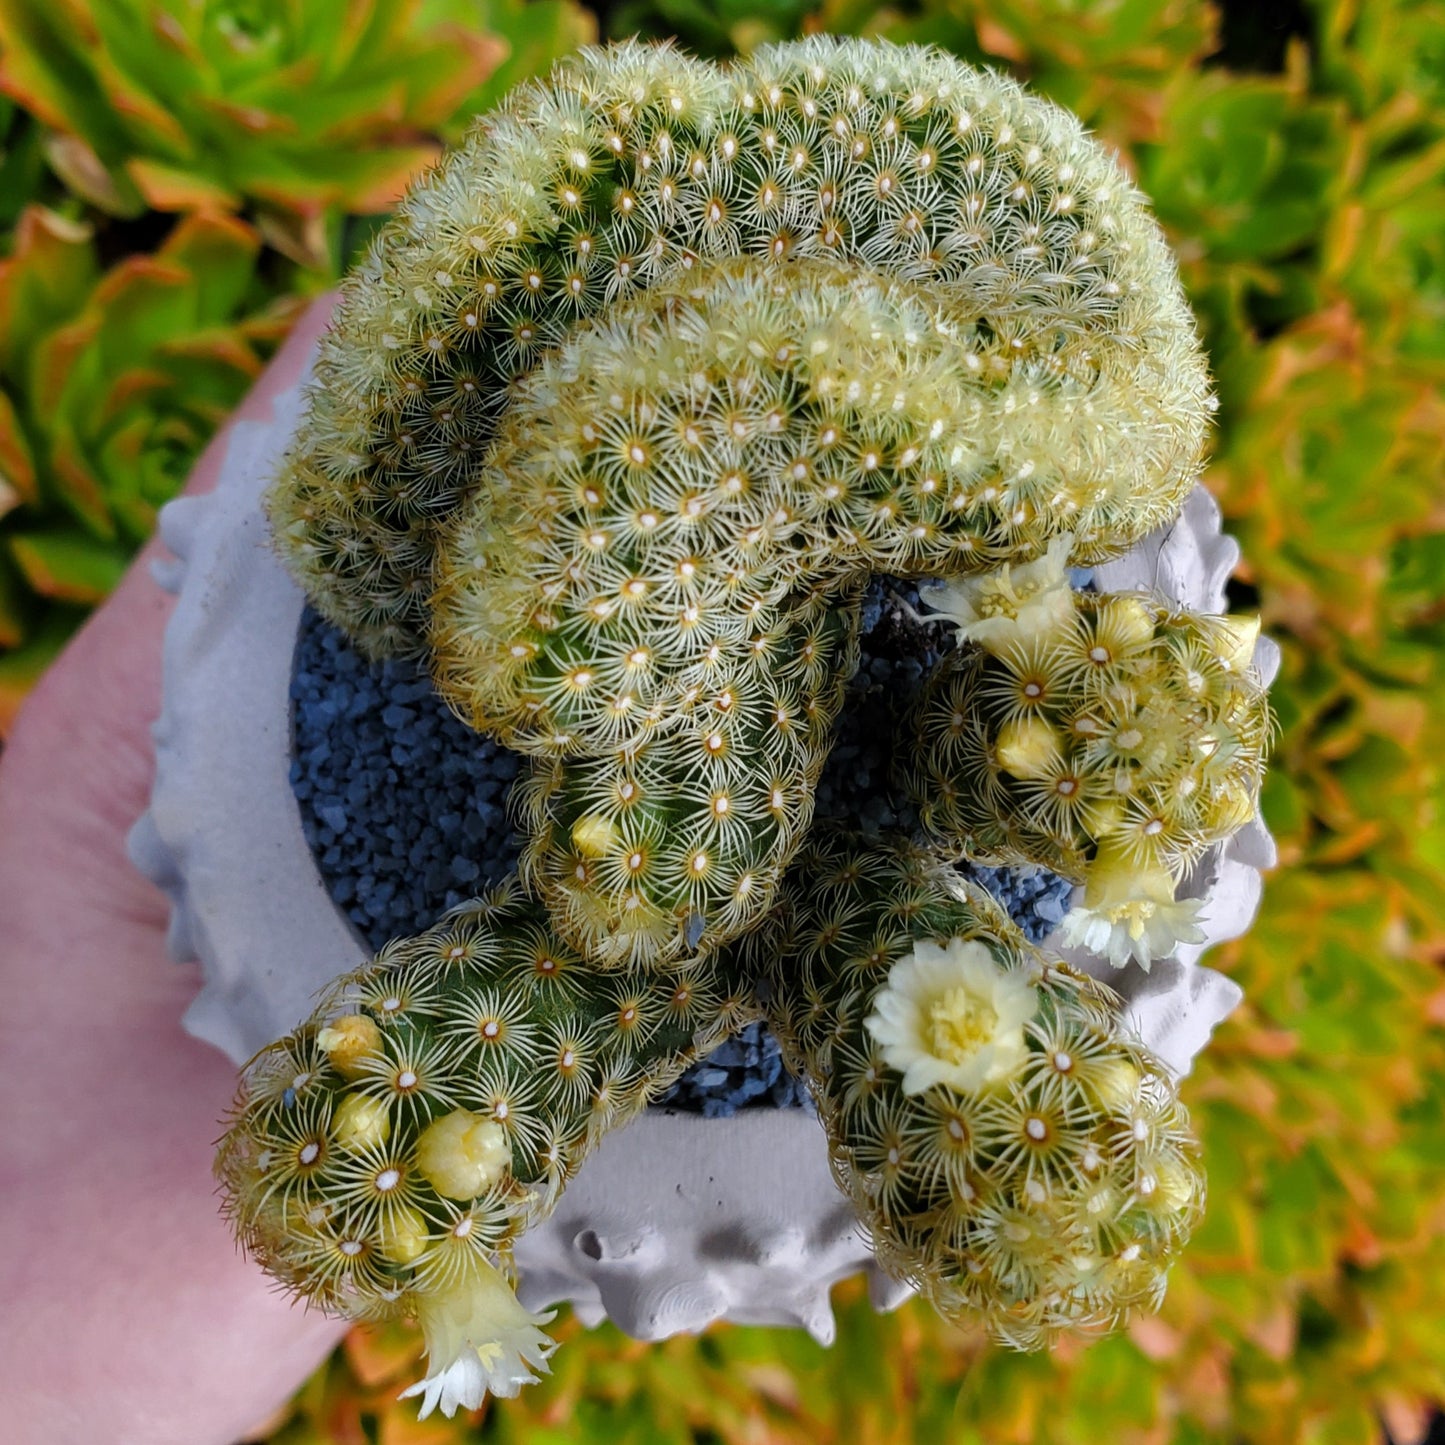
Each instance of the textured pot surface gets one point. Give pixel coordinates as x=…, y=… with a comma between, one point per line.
x=677, y=1220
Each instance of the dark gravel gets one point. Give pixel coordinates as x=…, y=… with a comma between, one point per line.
x=745, y=1073
x=896, y=656
x=405, y=807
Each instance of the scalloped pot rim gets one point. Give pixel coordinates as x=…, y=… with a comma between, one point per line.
x=745, y=1223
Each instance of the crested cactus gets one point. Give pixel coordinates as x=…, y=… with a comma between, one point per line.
x=1111, y=738
x=1010, y=1148
x=847, y=308
x=1075, y=358
x=617, y=418
x=436, y=1103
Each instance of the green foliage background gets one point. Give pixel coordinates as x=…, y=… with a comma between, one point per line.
x=176, y=180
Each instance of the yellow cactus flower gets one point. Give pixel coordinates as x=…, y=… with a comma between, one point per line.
x=1011, y=605
x=479, y=1341
x=1131, y=913
x=951, y=1015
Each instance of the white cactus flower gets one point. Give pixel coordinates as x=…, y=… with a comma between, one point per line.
x=951, y=1015
x=1012, y=605
x=1132, y=914
x=479, y=1341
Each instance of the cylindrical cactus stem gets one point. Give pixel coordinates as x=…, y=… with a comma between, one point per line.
x=1011, y=1148
x=1111, y=738
x=663, y=849
x=1077, y=368
x=382, y=1160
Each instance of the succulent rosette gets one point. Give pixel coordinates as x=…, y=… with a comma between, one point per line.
x=111, y=382
x=297, y=113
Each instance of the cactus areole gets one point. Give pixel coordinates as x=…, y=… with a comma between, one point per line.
x=614, y=423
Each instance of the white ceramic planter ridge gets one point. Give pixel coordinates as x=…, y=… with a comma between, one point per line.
x=675, y=1221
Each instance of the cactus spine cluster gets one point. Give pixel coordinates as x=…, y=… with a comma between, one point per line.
x=1010, y=1149
x=617, y=418
x=438, y=1101
x=1111, y=738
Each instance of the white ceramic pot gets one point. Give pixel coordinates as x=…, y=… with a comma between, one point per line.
x=676, y=1220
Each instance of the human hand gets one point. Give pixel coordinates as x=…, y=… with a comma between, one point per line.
x=131, y=1316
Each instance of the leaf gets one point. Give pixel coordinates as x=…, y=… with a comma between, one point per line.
x=43, y=282
x=68, y=567
x=170, y=188
x=17, y=467
x=90, y=178
x=219, y=255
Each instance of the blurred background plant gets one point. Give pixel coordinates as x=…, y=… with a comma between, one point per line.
x=177, y=178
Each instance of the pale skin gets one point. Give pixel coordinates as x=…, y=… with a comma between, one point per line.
x=130, y=1315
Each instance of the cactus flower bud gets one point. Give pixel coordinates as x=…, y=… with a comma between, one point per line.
x=462, y=1154
x=360, y=1122
x=1239, y=635
x=1027, y=747
x=593, y=835
x=403, y=1234
x=349, y=1042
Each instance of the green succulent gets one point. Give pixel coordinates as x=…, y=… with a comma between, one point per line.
x=1249, y=168
x=1010, y=1148
x=299, y=114
x=111, y=382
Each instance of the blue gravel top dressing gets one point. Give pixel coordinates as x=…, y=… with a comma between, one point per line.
x=404, y=806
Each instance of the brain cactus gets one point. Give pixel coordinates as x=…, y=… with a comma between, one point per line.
x=616, y=421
